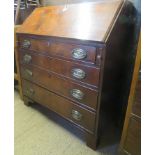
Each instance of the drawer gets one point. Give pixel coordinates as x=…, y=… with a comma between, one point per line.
x=76, y=92
x=69, y=69
x=59, y=49
x=60, y=105
x=133, y=139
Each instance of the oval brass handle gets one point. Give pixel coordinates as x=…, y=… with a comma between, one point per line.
x=77, y=94
x=28, y=72
x=78, y=73
x=26, y=44
x=27, y=58
x=79, y=53
x=29, y=91
x=76, y=115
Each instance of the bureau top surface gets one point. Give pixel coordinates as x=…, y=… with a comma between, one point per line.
x=85, y=21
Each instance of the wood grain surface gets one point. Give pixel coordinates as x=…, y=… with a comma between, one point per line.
x=86, y=21
x=60, y=105
x=63, y=67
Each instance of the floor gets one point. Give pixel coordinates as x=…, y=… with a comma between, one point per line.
x=38, y=131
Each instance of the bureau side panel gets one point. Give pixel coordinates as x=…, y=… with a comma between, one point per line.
x=116, y=66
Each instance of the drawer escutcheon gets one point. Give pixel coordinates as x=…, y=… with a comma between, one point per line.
x=30, y=92
x=79, y=53
x=78, y=73
x=76, y=115
x=77, y=94
x=27, y=58
x=28, y=72
x=26, y=44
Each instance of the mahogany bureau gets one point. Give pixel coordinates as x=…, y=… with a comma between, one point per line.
x=71, y=60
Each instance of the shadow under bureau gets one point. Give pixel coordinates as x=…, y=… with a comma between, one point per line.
x=71, y=60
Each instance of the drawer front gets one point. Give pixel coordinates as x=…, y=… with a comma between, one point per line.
x=69, y=69
x=63, y=50
x=133, y=139
x=60, y=105
x=55, y=83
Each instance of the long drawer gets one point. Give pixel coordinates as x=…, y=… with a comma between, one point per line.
x=82, y=73
x=78, y=93
x=60, y=105
x=65, y=50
